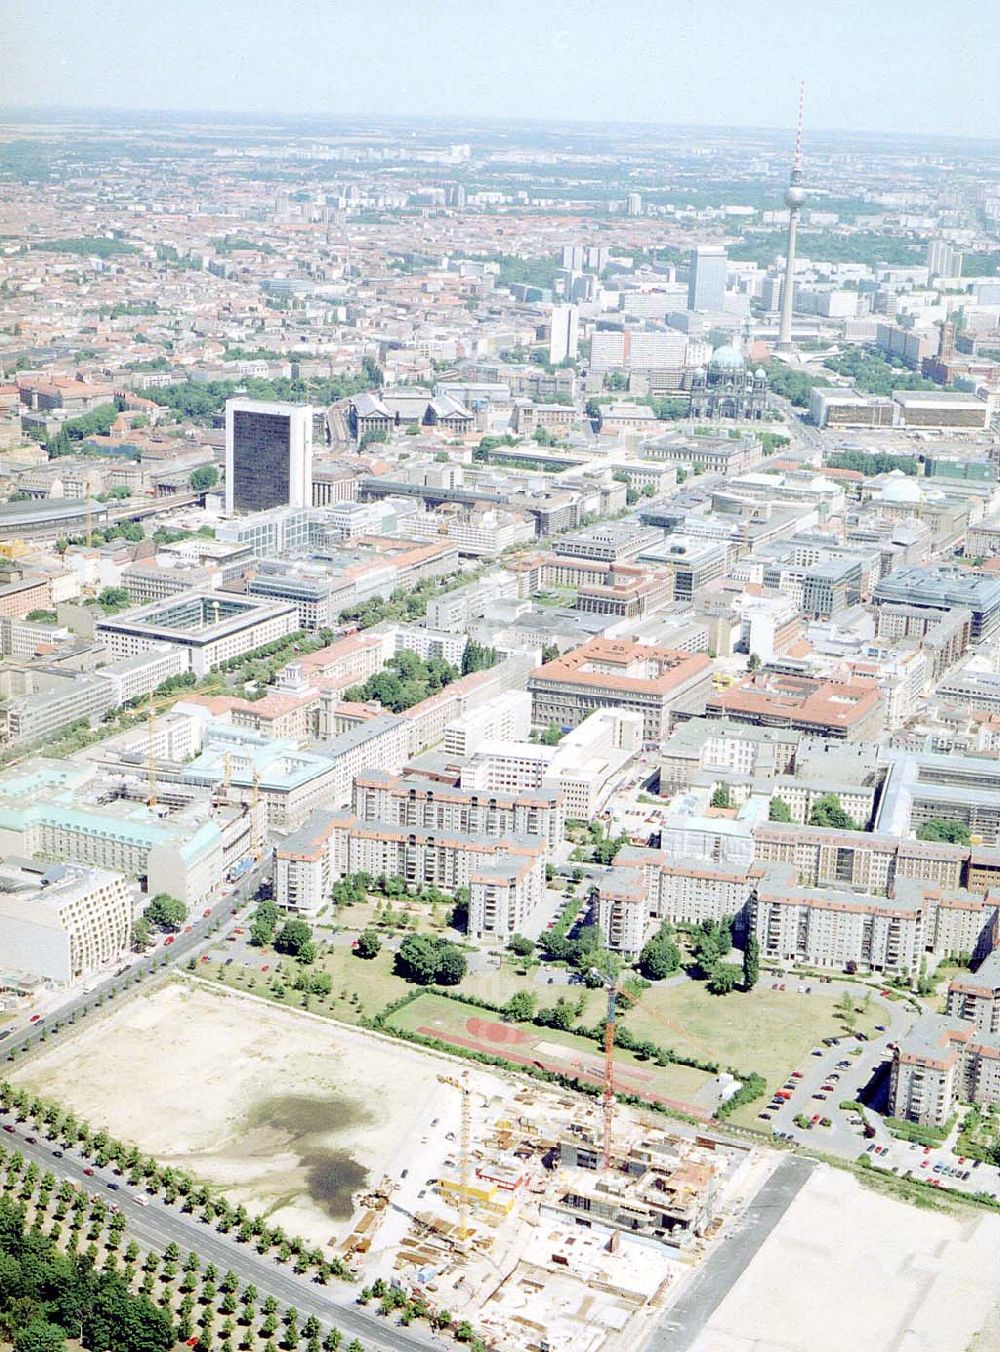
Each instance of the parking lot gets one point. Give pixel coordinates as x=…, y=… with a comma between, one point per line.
x=841, y=1070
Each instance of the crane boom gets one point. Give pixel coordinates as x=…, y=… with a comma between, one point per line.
x=465, y=1153
x=608, y=1103
x=151, y=754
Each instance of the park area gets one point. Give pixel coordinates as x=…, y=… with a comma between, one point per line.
x=763, y=1030
x=469, y=1028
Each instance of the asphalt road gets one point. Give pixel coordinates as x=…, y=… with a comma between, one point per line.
x=185, y=945
x=684, y=1321
x=156, y=1225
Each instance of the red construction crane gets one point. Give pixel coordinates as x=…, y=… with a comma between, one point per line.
x=609, y=1072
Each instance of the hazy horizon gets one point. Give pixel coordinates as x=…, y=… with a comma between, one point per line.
x=914, y=69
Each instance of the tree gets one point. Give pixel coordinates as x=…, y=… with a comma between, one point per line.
x=369, y=945
x=560, y=1015
x=265, y=921
x=425, y=960
x=725, y=977
x=295, y=939
x=40, y=1336
x=113, y=599
x=710, y=943
x=550, y=651
x=721, y=796
x=939, y=828
x=520, y=1008
x=141, y=934
x=520, y=945
x=826, y=811
x=204, y=478
x=166, y=912
x=753, y=662
x=660, y=957
x=751, y=962
x=779, y=811
x=451, y=965
x=477, y=657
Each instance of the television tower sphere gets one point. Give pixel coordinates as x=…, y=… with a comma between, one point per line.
x=795, y=196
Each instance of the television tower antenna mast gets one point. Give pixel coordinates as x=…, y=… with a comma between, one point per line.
x=795, y=196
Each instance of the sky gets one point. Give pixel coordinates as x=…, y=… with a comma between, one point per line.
x=917, y=66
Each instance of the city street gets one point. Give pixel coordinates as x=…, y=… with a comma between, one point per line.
x=156, y=1225
x=190, y=942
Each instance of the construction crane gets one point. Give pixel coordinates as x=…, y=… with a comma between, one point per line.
x=225, y=784
x=608, y=1099
x=255, y=840
x=607, y=971
x=465, y=1152
x=151, y=754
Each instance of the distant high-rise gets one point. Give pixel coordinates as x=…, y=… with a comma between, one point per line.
x=564, y=334
x=943, y=260
x=707, y=277
x=633, y=204
x=268, y=455
x=795, y=196
x=585, y=257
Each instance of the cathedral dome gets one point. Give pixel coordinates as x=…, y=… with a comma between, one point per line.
x=727, y=358
x=902, y=490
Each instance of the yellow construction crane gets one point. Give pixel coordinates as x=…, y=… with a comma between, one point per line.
x=151, y=753
x=256, y=844
x=465, y=1151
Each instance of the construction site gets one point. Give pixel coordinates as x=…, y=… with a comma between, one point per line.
x=551, y=1224
x=547, y=1219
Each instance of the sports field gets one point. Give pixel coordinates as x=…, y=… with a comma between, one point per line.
x=679, y=1087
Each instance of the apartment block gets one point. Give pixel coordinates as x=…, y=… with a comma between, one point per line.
x=505, y=875
x=840, y=929
x=60, y=922
x=412, y=801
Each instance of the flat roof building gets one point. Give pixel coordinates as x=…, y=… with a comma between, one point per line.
x=60, y=922
x=209, y=627
x=612, y=673
x=825, y=708
x=943, y=587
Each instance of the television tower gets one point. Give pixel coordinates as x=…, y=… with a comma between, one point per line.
x=795, y=196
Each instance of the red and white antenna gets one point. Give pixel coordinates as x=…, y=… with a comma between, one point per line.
x=797, y=161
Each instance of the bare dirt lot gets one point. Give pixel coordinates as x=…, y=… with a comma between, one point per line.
x=288, y=1113
x=847, y=1268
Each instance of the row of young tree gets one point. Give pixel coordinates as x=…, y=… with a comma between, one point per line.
x=174, y=1186
x=70, y=1271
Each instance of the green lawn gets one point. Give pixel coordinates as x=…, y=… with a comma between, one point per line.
x=770, y=1032
x=360, y=986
